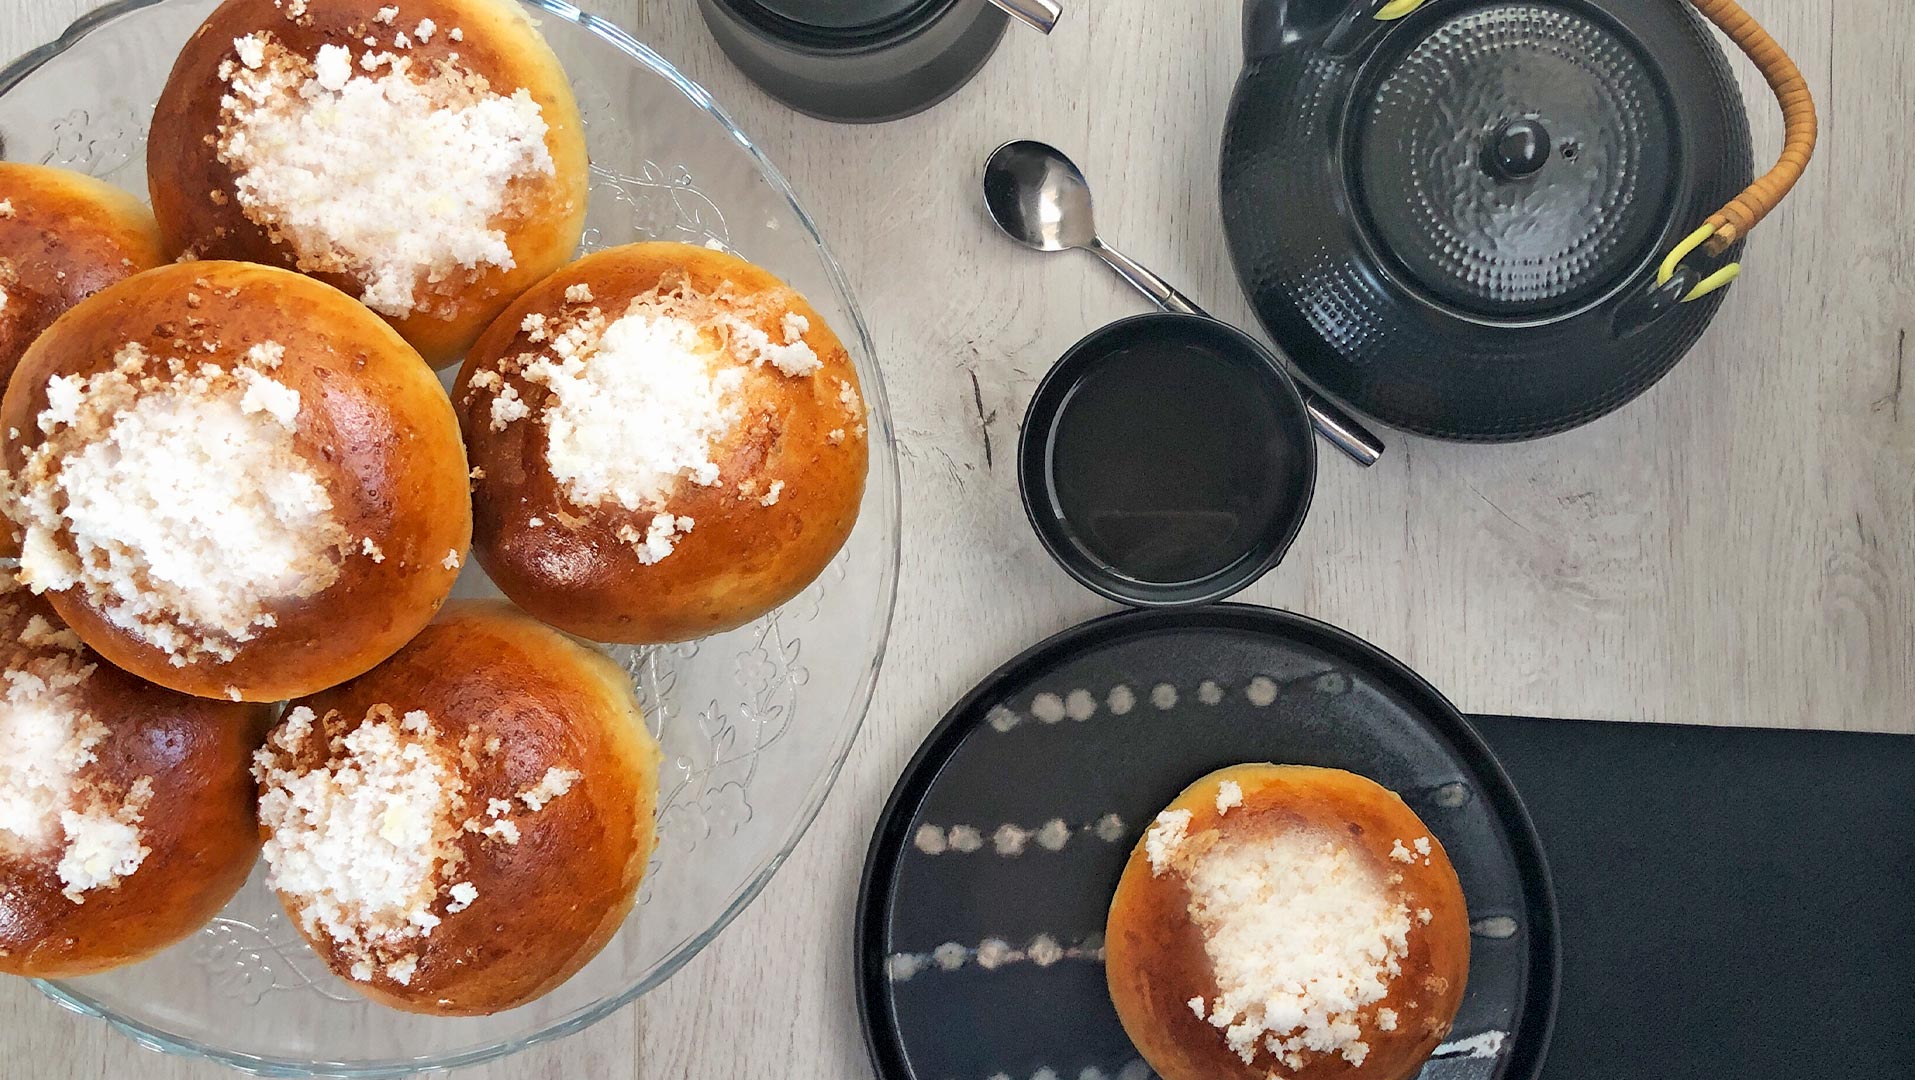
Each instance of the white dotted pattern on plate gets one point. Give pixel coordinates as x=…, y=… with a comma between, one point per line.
x=1011, y=840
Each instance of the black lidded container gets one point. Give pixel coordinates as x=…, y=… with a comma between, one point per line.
x=857, y=61
x=1453, y=221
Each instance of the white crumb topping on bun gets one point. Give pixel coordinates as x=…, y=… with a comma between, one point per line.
x=362, y=830
x=398, y=176
x=51, y=808
x=369, y=823
x=1229, y=796
x=174, y=497
x=1304, y=936
x=636, y=403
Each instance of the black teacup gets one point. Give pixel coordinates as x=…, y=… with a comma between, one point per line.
x=1167, y=460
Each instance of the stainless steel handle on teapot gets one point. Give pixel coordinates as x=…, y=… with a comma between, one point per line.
x=1337, y=427
x=1037, y=14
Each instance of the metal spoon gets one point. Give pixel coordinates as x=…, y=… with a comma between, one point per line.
x=1038, y=14
x=1041, y=200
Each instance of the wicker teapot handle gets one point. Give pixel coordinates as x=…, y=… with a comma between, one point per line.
x=1746, y=211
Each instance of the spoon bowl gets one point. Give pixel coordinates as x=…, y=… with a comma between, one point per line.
x=1039, y=197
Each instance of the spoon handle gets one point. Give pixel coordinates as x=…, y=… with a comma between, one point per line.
x=1341, y=430
x=1159, y=290
x=1041, y=15
x=1337, y=427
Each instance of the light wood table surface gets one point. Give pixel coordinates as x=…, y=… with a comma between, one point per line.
x=1737, y=547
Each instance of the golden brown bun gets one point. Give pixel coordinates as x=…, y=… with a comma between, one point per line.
x=67, y=237
x=547, y=904
x=196, y=202
x=374, y=426
x=1156, y=960
x=198, y=825
x=743, y=558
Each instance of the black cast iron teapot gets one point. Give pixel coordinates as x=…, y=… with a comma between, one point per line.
x=1492, y=220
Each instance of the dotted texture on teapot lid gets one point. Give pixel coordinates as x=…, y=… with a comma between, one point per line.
x=1515, y=159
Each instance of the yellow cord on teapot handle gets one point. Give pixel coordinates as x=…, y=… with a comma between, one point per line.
x=1746, y=210
x=1707, y=285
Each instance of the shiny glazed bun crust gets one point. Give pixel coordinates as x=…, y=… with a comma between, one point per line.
x=197, y=195
x=63, y=237
x=160, y=772
x=549, y=830
x=373, y=435
x=789, y=473
x=1158, y=960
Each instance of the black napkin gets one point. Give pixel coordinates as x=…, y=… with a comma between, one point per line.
x=1736, y=904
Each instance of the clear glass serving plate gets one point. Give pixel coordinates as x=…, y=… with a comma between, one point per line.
x=755, y=723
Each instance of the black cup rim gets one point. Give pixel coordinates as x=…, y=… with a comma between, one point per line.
x=1034, y=481
x=869, y=37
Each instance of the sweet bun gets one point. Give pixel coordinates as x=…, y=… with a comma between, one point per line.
x=497, y=822
x=63, y=237
x=668, y=442
x=234, y=481
x=283, y=136
x=1261, y=879
x=126, y=811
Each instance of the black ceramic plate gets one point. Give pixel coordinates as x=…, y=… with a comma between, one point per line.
x=981, y=913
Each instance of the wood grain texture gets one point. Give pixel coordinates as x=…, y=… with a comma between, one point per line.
x=1737, y=547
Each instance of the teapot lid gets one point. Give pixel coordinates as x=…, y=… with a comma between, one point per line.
x=1515, y=160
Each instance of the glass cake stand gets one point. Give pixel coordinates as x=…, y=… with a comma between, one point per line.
x=755, y=723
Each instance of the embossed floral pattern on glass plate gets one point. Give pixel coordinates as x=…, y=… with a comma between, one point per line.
x=755, y=723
